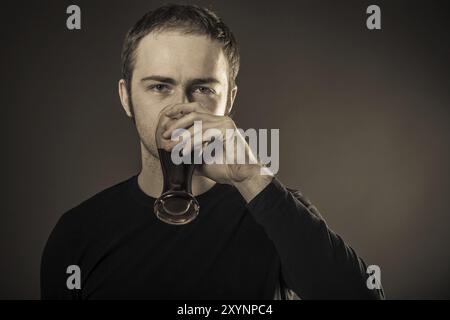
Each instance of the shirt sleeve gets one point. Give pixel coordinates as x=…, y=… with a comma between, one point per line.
x=316, y=263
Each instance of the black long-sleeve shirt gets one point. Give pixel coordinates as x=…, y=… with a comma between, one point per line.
x=273, y=247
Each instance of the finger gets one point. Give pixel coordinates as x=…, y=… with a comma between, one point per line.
x=165, y=109
x=185, y=122
x=188, y=136
x=199, y=138
x=184, y=108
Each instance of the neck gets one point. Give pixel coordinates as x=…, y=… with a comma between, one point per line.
x=151, y=180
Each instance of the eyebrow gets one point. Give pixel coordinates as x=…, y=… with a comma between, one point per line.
x=173, y=81
x=204, y=80
x=159, y=79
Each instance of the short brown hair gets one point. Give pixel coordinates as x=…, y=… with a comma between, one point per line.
x=187, y=18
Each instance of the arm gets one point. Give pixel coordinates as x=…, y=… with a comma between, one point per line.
x=316, y=263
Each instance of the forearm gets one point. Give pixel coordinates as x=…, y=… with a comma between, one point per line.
x=251, y=187
x=316, y=263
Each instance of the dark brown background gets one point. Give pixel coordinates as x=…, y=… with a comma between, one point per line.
x=363, y=117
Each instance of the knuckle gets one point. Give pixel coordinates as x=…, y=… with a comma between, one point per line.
x=198, y=105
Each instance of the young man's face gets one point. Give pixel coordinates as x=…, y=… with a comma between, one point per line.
x=170, y=68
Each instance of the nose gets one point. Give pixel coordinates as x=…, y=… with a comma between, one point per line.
x=182, y=96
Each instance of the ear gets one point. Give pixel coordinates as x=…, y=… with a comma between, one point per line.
x=232, y=97
x=125, y=98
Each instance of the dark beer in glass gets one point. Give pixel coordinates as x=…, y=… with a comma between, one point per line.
x=176, y=205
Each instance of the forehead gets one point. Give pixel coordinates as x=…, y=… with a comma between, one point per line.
x=181, y=56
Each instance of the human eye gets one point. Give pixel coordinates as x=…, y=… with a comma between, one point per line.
x=204, y=90
x=159, y=88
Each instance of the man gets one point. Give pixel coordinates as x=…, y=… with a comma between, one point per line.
x=253, y=238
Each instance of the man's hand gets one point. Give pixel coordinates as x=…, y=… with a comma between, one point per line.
x=247, y=177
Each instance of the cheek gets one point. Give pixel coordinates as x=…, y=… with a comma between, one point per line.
x=146, y=112
x=216, y=105
x=146, y=107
